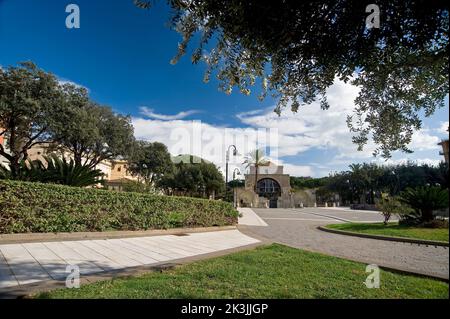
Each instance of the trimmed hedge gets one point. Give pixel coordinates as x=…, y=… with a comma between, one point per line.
x=34, y=207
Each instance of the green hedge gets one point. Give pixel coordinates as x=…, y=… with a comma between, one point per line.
x=34, y=207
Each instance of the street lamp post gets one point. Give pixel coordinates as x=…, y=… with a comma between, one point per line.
x=351, y=191
x=235, y=172
x=226, y=164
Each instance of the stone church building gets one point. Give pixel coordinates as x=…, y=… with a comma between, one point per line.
x=273, y=190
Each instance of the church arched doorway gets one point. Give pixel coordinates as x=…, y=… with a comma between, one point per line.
x=270, y=189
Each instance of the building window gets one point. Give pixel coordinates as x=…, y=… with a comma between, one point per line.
x=268, y=186
x=119, y=168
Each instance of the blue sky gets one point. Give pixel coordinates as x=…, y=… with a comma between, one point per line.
x=122, y=55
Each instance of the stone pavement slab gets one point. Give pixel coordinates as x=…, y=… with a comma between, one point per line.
x=26, y=263
x=249, y=218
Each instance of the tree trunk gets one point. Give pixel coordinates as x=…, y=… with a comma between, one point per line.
x=256, y=179
x=427, y=215
x=14, y=167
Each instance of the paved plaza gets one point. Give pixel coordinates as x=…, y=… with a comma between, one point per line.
x=298, y=228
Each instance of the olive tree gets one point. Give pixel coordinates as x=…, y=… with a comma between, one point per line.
x=296, y=49
x=31, y=109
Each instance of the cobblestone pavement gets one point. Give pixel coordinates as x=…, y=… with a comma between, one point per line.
x=298, y=228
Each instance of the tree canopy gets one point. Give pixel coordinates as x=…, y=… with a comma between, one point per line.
x=365, y=183
x=35, y=108
x=31, y=108
x=199, y=179
x=94, y=132
x=150, y=161
x=297, y=49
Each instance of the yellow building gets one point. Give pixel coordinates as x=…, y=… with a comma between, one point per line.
x=117, y=174
x=116, y=170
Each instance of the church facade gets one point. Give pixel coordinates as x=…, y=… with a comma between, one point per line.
x=273, y=190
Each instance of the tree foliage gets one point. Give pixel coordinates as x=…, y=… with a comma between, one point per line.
x=367, y=183
x=425, y=200
x=201, y=179
x=31, y=108
x=389, y=206
x=297, y=49
x=56, y=171
x=150, y=161
x=256, y=159
x=35, y=108
x=307, y=182
x=94, y=132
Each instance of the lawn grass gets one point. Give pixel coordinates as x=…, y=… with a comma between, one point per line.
x=394, y=229
x=274, y=271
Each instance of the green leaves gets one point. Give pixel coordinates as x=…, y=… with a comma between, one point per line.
x=425, y=198
x=150, y=161
x=36, y=207
x=35, y=108
x=31, y=106
x=256, y=158
x=193, y=177
x=94, y=132
x=297, y=49
x=392, y=206
x=55, y=170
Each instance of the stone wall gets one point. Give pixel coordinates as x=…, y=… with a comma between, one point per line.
x=305, y=196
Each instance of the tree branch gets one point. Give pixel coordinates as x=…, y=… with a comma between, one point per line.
x=30, y=142
x=4, y=154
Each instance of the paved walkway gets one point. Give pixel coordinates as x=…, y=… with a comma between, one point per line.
x=27, y=263
x=298, y=228
x=249, y=218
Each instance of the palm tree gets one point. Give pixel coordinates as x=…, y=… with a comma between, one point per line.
x=425, y=199
x=358, y=179
x=256, y=158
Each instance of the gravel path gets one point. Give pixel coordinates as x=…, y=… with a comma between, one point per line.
x=298, y=228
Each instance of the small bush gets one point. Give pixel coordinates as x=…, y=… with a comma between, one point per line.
x=56, y=171
x=412, y=219
x=425, y=200
x=436, y=223
x=137, y=187
x=35, y=207
x=391, y=206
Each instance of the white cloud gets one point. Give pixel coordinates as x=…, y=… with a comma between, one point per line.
x=420, y=161
x=422, y=140
x=150, y=113
x=298, y=170
x=201, y=139
x=310, y=129
x=63, y=81
x=443, y=129
x=313, y=127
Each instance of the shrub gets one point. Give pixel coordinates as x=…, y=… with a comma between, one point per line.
x=436, y=223
x=55, y=170
x=392, y=206
x=35, y=207
x=412, y=219
x=425, y=200
x=137, y=187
